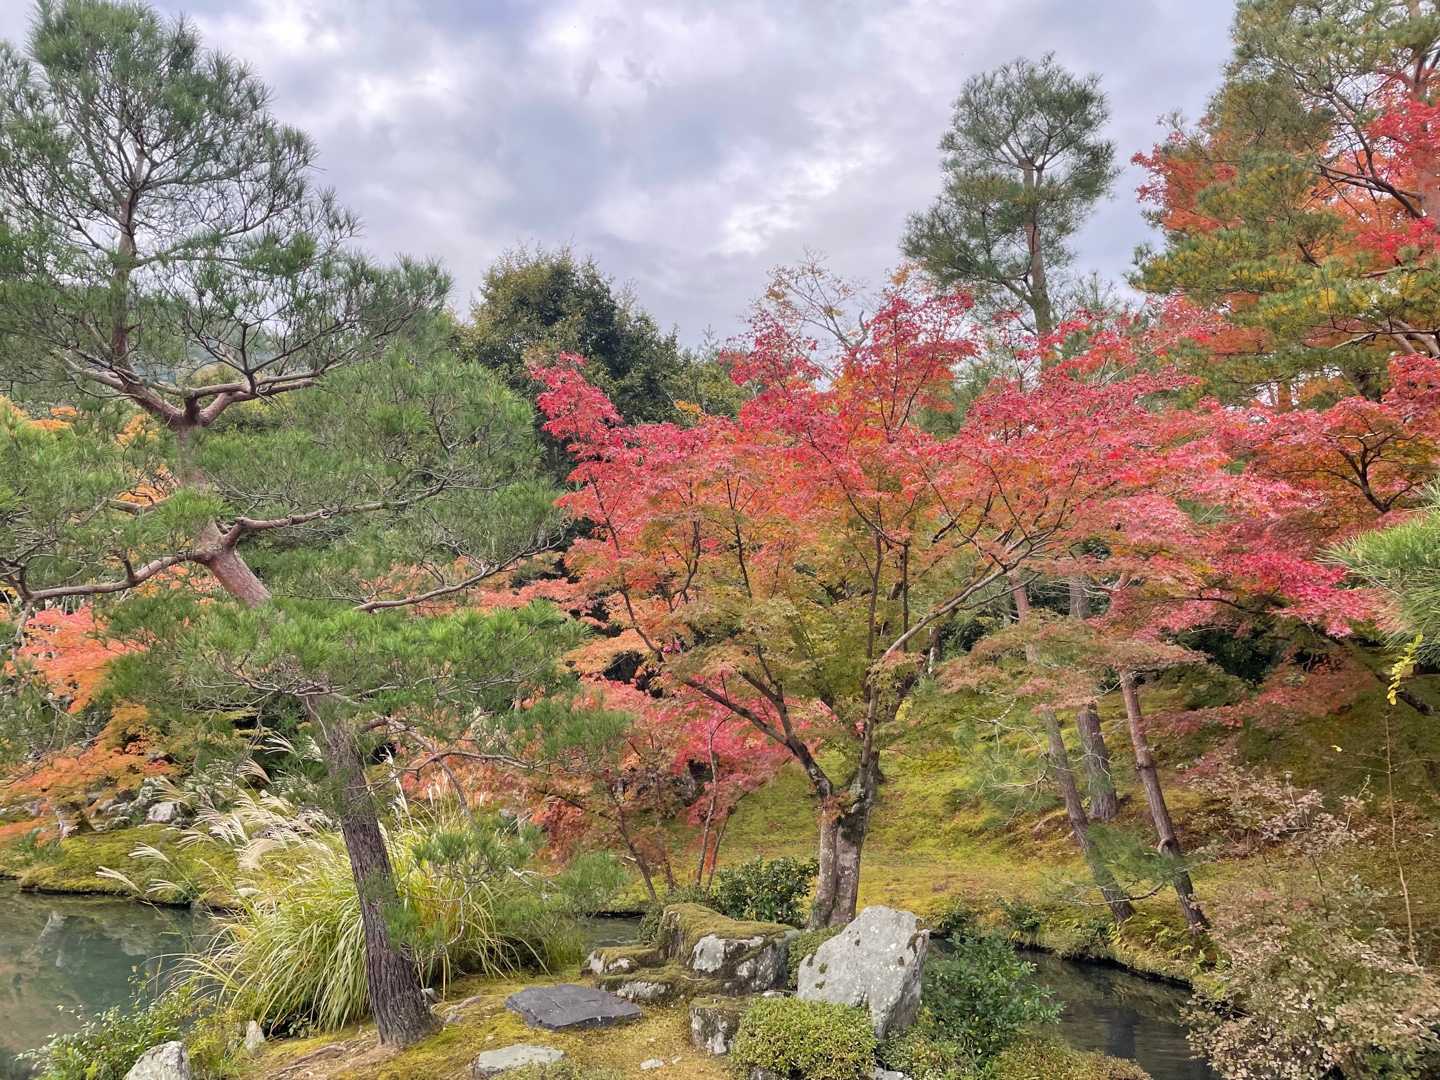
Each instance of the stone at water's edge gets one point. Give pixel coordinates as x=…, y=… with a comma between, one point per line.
x=495, y=1062
x=620, y=960
x=876, y=963
x=168, y=1061
x=714, y=1023
x=557, y=1008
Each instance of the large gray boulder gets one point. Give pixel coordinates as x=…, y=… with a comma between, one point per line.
x=495, y=1062
x=168, y=1061
x=875, y=963
x=557, y=1008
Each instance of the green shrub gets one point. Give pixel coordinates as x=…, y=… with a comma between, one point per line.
x=805, y=1040
x=766, y=890
x=956, y=918
x=802, y=947
x=106, y=1047
x=922, y=1054
x=982, y=995
x=1020, y=917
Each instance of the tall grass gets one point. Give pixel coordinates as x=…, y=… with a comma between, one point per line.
x=291, y=953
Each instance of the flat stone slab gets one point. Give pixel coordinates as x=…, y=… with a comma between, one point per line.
x=495, y=1062
x=557, y=1008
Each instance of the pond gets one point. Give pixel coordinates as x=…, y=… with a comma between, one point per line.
x=63, y=958
x=1124, y=1015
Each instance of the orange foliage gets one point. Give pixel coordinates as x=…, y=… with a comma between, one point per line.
x=68, y=652
x=119, y=759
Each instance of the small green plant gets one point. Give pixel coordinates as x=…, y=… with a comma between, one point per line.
x=1021, y=918
x=802, y=947
x=977, y=1000
x=108, y=1046
x=956, y=918
x=767, y=890
x=805, y=1040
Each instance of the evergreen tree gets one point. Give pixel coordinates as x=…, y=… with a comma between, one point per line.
x=1024, y=165
x=270, y=452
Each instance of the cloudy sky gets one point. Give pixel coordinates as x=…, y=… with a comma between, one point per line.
x=689, y=145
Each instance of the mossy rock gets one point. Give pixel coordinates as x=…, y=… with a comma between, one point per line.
x=744, y=956
x=658, y=985
x=621, y=960
x=715, y=1021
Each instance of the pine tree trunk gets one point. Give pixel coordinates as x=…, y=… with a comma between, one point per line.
x=397, y=1000
x=844, y=821
x=1169, y=841
x=1104, y=803
x=1115, y=898
x=1064, y=776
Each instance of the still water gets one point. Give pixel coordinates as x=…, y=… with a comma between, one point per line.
x=63, y=958
x=1124, y=1015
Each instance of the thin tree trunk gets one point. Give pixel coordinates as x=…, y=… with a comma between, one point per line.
x=1104, y=803
x=397, y=998
x=1095, y=755
x=1115, y=898
x=1169, y=841
x=1064, y=776
x=402, y=1015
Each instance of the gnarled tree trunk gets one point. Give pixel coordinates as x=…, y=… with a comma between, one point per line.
x=1169, y=841
x=844, y=821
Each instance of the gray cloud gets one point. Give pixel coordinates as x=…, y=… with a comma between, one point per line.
x=688, y=145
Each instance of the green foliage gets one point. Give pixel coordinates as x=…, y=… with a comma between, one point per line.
x=1404, y=561
x=802, y=947
x=106, y=1047
x=1024, y=151
x=1046, y=1059
x=806, y=1040
x=766, y=890
x=535, y=305
x=1020, y=917
x=980, y=997
x=958, y=918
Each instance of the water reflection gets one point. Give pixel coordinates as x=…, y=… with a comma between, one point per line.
x=1123, y=1015
x=66, y=955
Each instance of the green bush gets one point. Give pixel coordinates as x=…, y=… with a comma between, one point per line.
x=805, y=1040
x=1020, y=917
x=108, y=1046
x=766, y=890
x=976, y=1001
x=802, y=947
